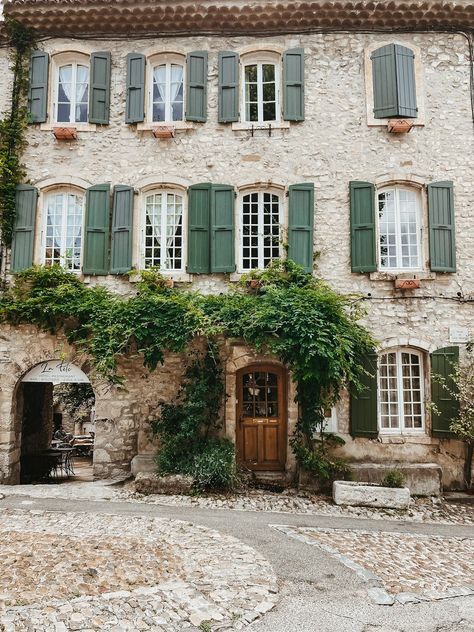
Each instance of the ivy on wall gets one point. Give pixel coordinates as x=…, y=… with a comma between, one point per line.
x=13, y=126
x=281, y=311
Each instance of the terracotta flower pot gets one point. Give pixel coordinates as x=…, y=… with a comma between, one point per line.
x=399, y=126
x=163, y=132
x=407, y=284
x=65, y=133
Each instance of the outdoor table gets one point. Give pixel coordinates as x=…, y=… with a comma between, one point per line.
x=62, y=461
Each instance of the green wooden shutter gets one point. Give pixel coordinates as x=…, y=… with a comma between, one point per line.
x=393, y=78
x=99, y=94
x=442, y=364
x=199, y=214
x=441, y=224
x=363, y=406
x=38, y=87
x=96, y=237
x=196, y=86
x=301, y=224
x=228, y=87
x=122, y=230
x=362, y=203
x=222, y=228
x=24, y=227
x=135, y=107
x=293, y=73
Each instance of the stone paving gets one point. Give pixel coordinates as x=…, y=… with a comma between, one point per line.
x=86, y=572
x=405, y=567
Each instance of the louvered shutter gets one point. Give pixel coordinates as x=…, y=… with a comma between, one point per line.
x=199, y=214
x=443, y=362
x=293, y=73
x=301, y=224
x=26, y=198
x=362, y=203
x=363, y=406
x=441, y=227
x=122, y=230
x=38, y=87
x=222, y=228
x=196, y=86
x=135, y=106
x=393, y=79
x=99, y=94
x=96, y=238
x=228, y=87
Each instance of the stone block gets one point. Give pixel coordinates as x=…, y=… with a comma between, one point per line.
x=146, y=483
x=143, y=463
x=422, y=479
x=366, y=495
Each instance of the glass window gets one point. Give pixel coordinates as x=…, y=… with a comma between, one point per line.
x=401, y=391
x=164, y=231
x=63, y=230
x=167, y=93
x=72, y=94
x=261, y=92
x=399, y=229
x=260, y=229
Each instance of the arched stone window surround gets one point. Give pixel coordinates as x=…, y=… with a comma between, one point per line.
x=420, y=120
x=264, y=53
x=58, y=59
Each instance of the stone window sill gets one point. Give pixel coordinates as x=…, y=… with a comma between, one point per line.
x=178, y=126
x=373, y=122
x=421, y=439
x=260, y=127
x=177, y=277
x=391, y=276
x=80, y=127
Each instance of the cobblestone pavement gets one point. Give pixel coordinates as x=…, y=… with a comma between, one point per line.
x=406, y=567
x=289, y=501
x=75, y=571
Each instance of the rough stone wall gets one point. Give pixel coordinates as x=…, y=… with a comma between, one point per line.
x=331, y=147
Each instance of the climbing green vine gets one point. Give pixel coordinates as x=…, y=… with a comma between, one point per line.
x=13, y=125
x=282, y=311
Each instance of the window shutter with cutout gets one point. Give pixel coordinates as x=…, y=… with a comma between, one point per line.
x=393, y=80
x=228, y=87
x=199, y=215
x=26, y=198
x=222, y=228
x=293, y=73
x=96, y=232
x=122, y=230
x=443, y=362
x=38, y=90
x=99, y=93
x=441, y=227
x=196, y=86
x=135, y=106
x=362, y=204
x=363, y=406
x=301, y=224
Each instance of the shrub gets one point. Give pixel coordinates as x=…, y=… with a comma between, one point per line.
x=393, y=478
x=214, y=467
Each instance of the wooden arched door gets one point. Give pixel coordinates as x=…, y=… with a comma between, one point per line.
x=261, y=417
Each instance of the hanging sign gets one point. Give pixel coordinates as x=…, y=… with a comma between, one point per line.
x=57, y=372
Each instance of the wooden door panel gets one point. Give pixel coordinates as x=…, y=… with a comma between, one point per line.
x=270, y=442
x=250, y=437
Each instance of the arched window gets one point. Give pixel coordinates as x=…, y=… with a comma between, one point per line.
x=163, y=230
x=71, y=90
x=63, y=229
x=261, y=88
x=399, y=212
x=167, y=89
x=261, y=219
x=401, y=397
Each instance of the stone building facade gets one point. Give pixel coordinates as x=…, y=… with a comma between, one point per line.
x=338, y=141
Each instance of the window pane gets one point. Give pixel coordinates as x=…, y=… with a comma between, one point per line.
x=399, y=227
x=251, y=73
x=269, y=112
x=269, y=92
x=252, y=112
x=268, y=72
x=64, y=113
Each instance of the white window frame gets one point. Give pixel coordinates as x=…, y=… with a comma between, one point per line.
x=160, y=60
x=164, y=191
x=66, y=59
x=419, y=229
x=401, y=430
x=258, y=60
x=65, y=191
x=282, y=224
